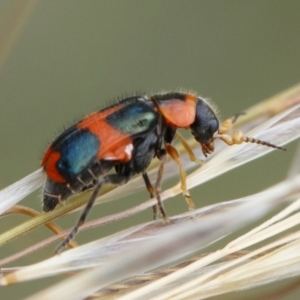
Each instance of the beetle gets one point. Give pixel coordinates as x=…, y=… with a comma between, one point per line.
x=126, y=136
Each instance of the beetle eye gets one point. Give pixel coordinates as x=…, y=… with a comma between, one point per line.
x=213, y=126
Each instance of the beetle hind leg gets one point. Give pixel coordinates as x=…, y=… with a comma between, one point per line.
x=162, y=156
x=151, y=191
x=111, y=178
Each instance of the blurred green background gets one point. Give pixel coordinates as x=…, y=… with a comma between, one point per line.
x=70, y=58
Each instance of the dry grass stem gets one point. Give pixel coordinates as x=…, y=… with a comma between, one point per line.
x=107, y=261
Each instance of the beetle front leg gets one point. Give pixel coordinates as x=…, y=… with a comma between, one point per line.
x=227, y=125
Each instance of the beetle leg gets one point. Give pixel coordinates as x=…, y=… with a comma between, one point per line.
x=111, y=178
x=150, y=189
x=188, y=149
x=162, y=156
x=176, y=157
x=228, y=124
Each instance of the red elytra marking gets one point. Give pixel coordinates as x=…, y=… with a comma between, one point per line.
x=113, y=142
x=85, y=123
x=46, y=156
x=180, y=113
x=95, y=117
x=49, y=163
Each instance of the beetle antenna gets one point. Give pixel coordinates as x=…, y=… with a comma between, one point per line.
x=238, y=138
x=247, y=139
